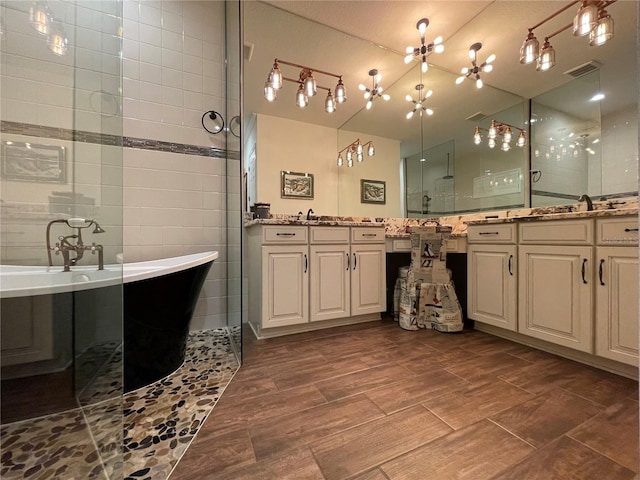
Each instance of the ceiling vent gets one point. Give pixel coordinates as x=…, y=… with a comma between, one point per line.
x=476, y=117
x=583, y=69
x=247, y=51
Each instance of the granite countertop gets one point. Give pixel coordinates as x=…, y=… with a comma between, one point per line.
x=556, y=216
x=312, y=223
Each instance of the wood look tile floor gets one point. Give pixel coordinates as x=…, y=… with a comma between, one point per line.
x=375, y=402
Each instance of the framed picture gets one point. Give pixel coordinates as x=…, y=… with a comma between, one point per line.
x=33, y=162
x=296, y=185
x=373, y=191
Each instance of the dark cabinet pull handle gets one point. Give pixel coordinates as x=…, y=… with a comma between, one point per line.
x=600, y=271
x=287, y=234
x=355, y=261
x=368, y=234
x=584, y=263
x=510, y=260
x=489, y=233
x=306, y=263
x=348, y=261
x=630, y=229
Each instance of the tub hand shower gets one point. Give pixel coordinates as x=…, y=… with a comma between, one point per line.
x=64, y=246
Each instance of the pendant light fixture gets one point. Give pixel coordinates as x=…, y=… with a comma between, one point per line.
x=356, y=148
x=419, y=105
x=500, y=131
x=586, y=19
x=591, y=19
x=307, y=85
x=424, y=50
x=370, y=94
x=473, y=73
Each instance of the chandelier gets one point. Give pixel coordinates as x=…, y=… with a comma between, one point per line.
x=424, y=50
x=591, y=19
x=419, y=105
x=503, y=130
x=356, y=148
x=370, y=94
x=307, y=85
x=474, y=71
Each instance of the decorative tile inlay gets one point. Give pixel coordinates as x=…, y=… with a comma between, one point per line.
x=160, y=420
x=114, y=140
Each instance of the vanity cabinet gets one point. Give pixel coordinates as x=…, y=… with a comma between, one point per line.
x=617, y=289
x=555, y=294
x=330, y=273
x=309, y=275
x=555, y=283
x=492, y=281
x=368, y=271
x=279, y=281
x=348, y=272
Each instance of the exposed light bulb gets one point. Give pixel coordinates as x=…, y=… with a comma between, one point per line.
x=425, y=65
x=340, y=160
x=487, y=68
x=410, y=114
x=522, y=140
x=369, y=104
x=359, y=149
x=350, y=162
x=409, y=57
x=459, y=80
x=429, y=111
x=340, y=92
x=507, y=135
x=477, y=136
x=386, y=97
x=310, y=86
x=359, y=157
x=371, y=151
x=479, y=82
x=329, y=103
x=491, y=142
x=362, y=87
x=301, y=98
x=491, y=58
x=428, y=94
x=269, y=92
x=350, y=156
x=493, y=130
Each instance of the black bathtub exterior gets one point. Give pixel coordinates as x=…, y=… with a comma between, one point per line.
x=157, y=313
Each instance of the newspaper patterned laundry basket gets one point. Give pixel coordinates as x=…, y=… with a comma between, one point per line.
x=427, y=297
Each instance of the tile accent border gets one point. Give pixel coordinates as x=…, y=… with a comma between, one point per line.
x=42, y=131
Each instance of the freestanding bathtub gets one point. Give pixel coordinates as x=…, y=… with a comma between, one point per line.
x=159, y=297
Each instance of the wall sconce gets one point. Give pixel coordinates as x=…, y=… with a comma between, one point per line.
x=591, y=19
x=418, y=105
x=475, y=68
x=424, y=50
x=370, y=94
x=500, y=129
x=356, y=148
x=307, y=86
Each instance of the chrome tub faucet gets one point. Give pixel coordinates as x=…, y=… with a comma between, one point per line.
x=65, y=245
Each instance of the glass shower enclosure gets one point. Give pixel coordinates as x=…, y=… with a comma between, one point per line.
x=61, y=176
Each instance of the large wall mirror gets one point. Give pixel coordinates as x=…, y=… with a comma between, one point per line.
x=577, y=141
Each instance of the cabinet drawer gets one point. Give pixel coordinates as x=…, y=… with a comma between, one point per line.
x=284, y=234
x=572, y=232
x=617, y=231
x=367, y=235
x=329, y=234
x=496, y=233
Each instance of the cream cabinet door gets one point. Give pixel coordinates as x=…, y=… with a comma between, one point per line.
x=492, y=285
x=368, y=279
x=285, y=285
x=330, y=293
x=617, y=304
x=555, y=286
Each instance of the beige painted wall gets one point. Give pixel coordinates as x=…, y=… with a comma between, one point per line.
x=384, y=165
x=298, y=147
x=302, y=147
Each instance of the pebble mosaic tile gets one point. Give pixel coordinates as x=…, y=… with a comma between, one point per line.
x=153, y=426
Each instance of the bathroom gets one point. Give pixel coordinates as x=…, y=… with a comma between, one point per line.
x=171, y=188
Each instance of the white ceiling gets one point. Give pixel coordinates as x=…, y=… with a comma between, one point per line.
x=352, y=37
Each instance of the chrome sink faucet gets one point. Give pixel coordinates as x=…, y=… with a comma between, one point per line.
x=64, y=245
x=585, y=198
